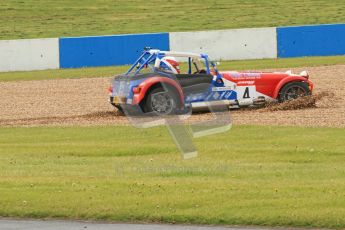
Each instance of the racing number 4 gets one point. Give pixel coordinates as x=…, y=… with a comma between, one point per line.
x=246, y=92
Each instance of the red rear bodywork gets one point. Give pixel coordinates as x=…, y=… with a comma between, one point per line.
x=143, y=87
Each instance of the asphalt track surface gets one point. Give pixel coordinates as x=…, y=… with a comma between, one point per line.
x=77, y=225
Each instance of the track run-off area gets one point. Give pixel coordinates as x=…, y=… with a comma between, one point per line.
x=84, y=102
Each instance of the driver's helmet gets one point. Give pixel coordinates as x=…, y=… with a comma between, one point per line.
x=170, y=64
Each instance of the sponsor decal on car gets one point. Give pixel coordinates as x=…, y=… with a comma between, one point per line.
x=245, y=82
x=245, y=75
x=224, y=88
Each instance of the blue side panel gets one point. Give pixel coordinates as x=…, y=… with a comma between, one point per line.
x=320, y=40
x=108, y=50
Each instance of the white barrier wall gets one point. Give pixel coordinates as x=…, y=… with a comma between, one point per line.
x=236, y=44
x=29, y=54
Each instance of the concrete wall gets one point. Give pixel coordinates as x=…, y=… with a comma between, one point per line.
x=319, y=40
x=237, y=44
x=108, y=50
x=29, y=54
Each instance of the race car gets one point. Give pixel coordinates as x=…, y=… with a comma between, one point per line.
x=166, y=82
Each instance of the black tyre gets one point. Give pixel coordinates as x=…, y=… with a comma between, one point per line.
x=161, y=102
x=119, y=108
x=293, y=90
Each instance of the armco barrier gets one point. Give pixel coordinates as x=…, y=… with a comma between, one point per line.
x=107, y=50
x=29, y=54
x=236, y=44
x=318, y=40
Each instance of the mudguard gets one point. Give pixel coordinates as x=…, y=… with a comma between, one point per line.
x=287, y=80
x=148, y=83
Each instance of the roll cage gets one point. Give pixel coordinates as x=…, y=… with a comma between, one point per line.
x=151, y=58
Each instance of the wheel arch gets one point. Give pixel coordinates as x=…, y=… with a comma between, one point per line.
x=155, y=82
x=286, y=81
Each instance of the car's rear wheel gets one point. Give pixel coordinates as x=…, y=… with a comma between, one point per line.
x=293, y=90
x=161, y=102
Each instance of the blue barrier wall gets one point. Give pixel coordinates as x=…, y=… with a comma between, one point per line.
x=107, y=50
x=319, y=40
x=296, y=41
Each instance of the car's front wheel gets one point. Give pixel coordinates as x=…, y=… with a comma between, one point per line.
x=293, y=90
x=161, y=102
